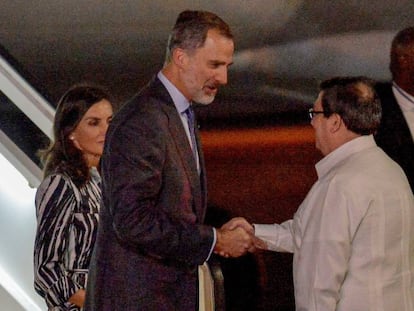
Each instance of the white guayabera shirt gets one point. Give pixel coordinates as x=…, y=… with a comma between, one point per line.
x=353, y=235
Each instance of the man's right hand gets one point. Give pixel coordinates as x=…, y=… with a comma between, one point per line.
x=233, y=243
x=242, y=223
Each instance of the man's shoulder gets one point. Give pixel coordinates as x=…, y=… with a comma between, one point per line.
x=381, y=85
x=389, y=103
x=147, y=101
x=147, y=108
x=384, y=89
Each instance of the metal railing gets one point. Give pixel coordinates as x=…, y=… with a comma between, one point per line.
x=35, y=107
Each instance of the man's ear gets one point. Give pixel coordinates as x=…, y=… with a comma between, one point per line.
x=179, y=57
x=335, y=123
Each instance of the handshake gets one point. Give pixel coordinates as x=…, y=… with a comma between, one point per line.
x=236, y=237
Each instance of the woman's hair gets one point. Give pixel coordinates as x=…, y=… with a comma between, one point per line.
x=62, y=156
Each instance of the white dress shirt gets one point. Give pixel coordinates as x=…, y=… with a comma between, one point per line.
x=353, y=235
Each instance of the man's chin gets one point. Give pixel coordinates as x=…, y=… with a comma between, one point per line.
x=205, y=100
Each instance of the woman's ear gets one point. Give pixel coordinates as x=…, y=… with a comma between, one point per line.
x=72, y=137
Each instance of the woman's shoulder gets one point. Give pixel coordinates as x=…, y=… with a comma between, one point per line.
x=56, y=177
x=57, y=182
x=56, y=194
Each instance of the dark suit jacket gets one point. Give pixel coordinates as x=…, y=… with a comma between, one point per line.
x=150, y=238
x=393, y=135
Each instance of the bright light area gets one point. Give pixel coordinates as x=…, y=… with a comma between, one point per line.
x=17, y=232
x=13, y=183
x=16, y=292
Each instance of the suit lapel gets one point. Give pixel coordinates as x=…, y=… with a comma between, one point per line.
x=397, y=125
x=183, y=147
x=394, y=135
x=187, y=157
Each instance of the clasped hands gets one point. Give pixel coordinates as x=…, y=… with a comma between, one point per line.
x=236, y=237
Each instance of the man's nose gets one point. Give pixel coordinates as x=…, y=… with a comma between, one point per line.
x=221, y=76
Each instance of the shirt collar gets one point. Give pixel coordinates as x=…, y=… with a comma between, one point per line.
x=341, y=153
x=405, y=100
x=180, y=102
x=95, y=174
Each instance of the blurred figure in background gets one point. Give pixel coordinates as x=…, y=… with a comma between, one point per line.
x=68, y=199
x=396, y=132
x=352, y=237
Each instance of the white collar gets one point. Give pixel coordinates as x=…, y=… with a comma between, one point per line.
x=344, y=151
x=405, y=100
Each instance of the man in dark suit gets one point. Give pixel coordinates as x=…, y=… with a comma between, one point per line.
x=395, y=134
x=151, y=237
